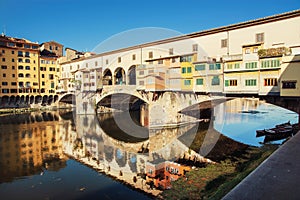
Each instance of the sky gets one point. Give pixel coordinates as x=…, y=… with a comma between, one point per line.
x=84, y=24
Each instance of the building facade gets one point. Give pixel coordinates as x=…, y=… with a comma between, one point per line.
x=250, y=58
x=29, y=71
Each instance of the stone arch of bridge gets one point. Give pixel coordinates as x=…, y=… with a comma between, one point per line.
x=67, y=98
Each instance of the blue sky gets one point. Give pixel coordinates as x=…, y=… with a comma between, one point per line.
x=82, y=25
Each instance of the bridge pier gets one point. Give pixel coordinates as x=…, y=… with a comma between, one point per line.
x=85, y=103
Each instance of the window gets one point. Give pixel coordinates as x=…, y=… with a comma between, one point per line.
x=237, y=65
x=133, y=57
x=250, y=82
x=51, y=76
x=171, y=51
x=289, y=84
x=13, y=90
x=4, y=83
x=3, y=51
x=187, y=82
x=199, y=81
x=13, y=75
x=259, y=37
x=270, y=82
x=12, y=52
x=189, y=69
x=200, y=67
x=86, y=65
x=43, y=83
x=27, y=60
x=119, y=59
x=27, y=54
x=20, y=67
x=5, y=91
x=43, y=75
x=229, y=66
x=223, y=43
x=150, y=54
x=106, y=61
x=11, y=44
x=141, y=72
x=35, y=47
x=20, y=53
x=251, y=65
x=183, y=70
x=12, y=67
x=3, y=59
x=255, y=49
x=247, y=51
x=173, y=60
x=27, y=75
x=21, y=84
x=215, y=80
x=3, y=75
x=195, y=47
x=27, y=67
x=52, y=85
x=50, y=47
x=215, y=66
x=12, y=60
x=3, y=67
x=27, y=46
x=13, y=83
x=270, y=63
x=21, y=75
x=186, y=58
x=230, y=83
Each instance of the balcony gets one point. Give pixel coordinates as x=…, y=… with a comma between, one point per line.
x=273, y=52
x=232, y=57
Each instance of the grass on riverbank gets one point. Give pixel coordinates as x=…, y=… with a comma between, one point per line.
x=216, y=180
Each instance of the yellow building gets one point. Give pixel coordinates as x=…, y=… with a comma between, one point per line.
x=19, y=69
x=187, y=70
x=28, y=72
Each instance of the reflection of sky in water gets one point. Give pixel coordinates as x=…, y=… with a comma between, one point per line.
x=241, y=126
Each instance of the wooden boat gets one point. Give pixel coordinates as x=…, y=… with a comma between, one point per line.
x=264, y=132
x=282, y=134
x=278, y=129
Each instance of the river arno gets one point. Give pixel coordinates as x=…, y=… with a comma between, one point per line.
x=58, y=155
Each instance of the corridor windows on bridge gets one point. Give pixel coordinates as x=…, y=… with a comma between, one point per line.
x=171, y=51
x=119, y=59
x=224, y=43
x=289, y=84
x=106, y=61
x=133, y=57
x=150, y=55
x=195, y=47
x=259, y=37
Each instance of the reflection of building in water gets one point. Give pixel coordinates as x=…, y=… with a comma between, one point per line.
x=247, y=105
x=161, y=175
x=26, y=148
